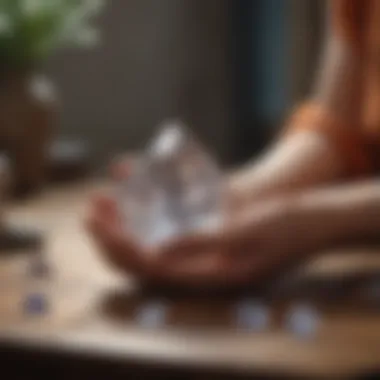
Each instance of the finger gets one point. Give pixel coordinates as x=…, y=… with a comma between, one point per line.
x=254, y=222
x=223, y=268
x=117, y=244
x=245, y=269
x=195, y=245
x=195, y=272
x=260, y=266
x=106, y=207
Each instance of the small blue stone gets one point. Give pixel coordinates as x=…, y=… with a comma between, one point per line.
x=152, y=315
x=36, y=304
x=303, y=321
x=252, y=315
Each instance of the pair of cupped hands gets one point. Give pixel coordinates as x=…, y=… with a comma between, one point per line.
x=257, y=241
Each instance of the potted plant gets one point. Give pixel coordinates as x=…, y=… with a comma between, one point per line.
x=30, y=32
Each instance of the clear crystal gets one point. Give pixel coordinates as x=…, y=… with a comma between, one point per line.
x=174, y=188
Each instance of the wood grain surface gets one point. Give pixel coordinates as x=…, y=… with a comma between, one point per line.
x=95, y=312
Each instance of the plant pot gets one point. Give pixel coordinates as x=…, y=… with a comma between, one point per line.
x=28, y=108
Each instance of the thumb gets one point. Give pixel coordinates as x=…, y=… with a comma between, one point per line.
x=193, y=245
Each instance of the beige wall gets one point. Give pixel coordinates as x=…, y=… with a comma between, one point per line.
x=157, y=59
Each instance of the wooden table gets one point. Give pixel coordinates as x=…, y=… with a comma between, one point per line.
x=93, y=309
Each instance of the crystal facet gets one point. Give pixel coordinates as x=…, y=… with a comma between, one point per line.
x=174, y=188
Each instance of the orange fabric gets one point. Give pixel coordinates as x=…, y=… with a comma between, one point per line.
x=371, y=104
x=348, y=142
x=349, y=19
x=357, y=22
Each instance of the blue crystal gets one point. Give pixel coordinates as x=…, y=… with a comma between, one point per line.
x=151, y=315
x=36, y=304
x=302, y=321
x=252, y=315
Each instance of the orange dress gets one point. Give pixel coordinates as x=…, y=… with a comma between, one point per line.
x=358, y=23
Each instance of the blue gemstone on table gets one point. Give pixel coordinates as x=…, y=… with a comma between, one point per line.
x=151, y=315
x=252, y=315
x=36, y=304
x=303, y=321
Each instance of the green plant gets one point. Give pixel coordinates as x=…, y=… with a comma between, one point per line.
x=31, y=30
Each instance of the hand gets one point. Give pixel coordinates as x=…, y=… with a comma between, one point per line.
x=253, y=245
x=148, y=265
x=251, y=249
x=157, y=265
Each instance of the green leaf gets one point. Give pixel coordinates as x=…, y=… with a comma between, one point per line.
x=30, y=30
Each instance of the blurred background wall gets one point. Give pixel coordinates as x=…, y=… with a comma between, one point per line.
x=158, y=59
x=307, y=32
x=277, y=44
x=229, y=67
